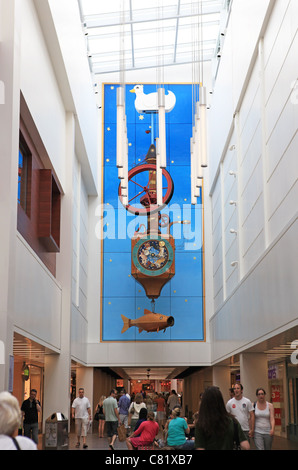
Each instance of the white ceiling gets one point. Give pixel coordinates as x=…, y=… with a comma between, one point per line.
x=137, y=34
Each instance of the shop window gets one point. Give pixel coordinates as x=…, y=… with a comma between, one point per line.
x=49, y=211
x=24, y=176
x=39, y=195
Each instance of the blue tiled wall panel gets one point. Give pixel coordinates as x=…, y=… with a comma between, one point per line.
x=183, y=296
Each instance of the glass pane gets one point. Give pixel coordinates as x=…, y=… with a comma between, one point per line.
x=20, y=176
x=24, y=176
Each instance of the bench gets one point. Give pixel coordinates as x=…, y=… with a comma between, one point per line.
x=148, y=447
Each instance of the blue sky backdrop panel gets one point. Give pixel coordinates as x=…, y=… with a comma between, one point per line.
x=183, y=296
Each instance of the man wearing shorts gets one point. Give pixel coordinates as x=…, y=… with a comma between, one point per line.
x=112, y=417
x=81, y=412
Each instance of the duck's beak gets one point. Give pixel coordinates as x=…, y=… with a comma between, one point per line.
x=132, y=90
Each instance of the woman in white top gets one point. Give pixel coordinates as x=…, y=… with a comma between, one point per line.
x=264, y=421
x=10, y=421
x=134, y=410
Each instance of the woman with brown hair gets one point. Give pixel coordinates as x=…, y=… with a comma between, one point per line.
x=216, y=429
x=264, y=421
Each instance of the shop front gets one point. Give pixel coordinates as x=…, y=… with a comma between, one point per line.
x=292, y=379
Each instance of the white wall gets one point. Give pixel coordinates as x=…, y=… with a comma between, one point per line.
x=60, y=97
x=245, y=24
x=255, y=298
x=72, y=69
x=41, y=90
x=37, y=298
x=80, y=228
x=10, y=19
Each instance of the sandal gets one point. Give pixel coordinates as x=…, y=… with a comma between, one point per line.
x=78, y=445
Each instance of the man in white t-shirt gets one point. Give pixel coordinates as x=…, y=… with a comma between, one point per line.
x=81, y=412
x=242, y=409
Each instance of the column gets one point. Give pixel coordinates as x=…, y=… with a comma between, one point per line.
x=174, y=384
x=221, y=377
x=10, y=18
x=85, y=380
x=253, y=373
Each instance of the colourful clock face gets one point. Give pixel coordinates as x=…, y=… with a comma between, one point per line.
x=153, y=256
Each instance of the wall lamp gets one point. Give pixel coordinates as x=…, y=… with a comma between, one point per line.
x=232, y=173
x=234, y=263
x=232, y=230
x=233, y=203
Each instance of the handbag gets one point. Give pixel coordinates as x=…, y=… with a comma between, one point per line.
x=132, y=410
x=96, y=416
x=121, y=432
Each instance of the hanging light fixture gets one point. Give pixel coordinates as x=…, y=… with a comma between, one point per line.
x=202, y=107
x=193, y=166
x=162, y=127
x=122, y=141
x=124, y=180
x=192, y=173
x=198, y=150
x=199, y=137
x=120, y=126
x=158, y=174
x=203, y=126
x=161, y=151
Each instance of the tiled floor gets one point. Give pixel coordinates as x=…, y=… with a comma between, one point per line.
x=96, y=443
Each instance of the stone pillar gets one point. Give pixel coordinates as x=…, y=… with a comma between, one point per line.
x=10, y=27
x=85, y=380
x=253, y=373
x=221, y=377
x=174, y=384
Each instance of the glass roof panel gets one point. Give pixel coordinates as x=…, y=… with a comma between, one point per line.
x=144, y=32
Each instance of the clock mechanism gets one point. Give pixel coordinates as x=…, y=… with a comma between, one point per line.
x=152, y=252
x=153, y=256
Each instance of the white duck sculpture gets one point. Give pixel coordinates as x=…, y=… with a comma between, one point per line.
x=149, y=103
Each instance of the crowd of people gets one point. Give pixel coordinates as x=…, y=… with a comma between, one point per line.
x=142, y=416
x=216, y=426
x=153, y=420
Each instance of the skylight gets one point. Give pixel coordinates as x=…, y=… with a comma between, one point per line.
x=142, y=34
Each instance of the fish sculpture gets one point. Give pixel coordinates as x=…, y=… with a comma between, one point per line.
x=146, y=103
x=148, y=322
